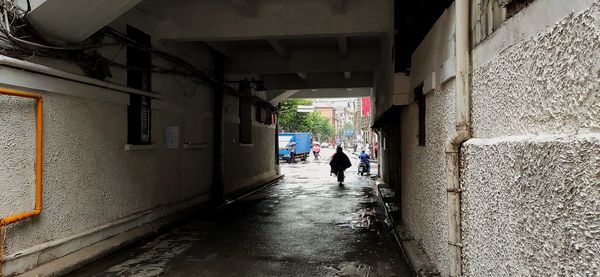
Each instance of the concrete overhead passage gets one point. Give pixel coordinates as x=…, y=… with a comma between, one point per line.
x=290, y=45
x=74, y=21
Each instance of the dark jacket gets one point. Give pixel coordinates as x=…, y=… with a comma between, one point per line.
x=339, y=162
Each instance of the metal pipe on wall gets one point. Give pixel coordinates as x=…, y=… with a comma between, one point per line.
x=38, y=156
x=45, y=70
x=462, y=134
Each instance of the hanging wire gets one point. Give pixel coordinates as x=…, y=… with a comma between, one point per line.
x=20, y=40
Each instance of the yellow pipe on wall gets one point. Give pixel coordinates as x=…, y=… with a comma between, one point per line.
x=38, y=156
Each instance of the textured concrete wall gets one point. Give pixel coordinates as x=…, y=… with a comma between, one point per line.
x=423, y=173
x=531, y=176
x=88, y=178
x=532, y=206
x=546, y=84
x=246, y=164
x=423, y=168
x=92, y=187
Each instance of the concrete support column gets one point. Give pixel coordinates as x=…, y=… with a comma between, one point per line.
x=217, y=189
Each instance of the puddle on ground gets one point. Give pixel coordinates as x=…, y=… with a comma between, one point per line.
x=349, y=269
x=362, y=219
x=157, y=254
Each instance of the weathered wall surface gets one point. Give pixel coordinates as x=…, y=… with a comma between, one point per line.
x=531, y=206
x=423, y=168
x=92, y=187
x=423, y=171
x=246, y=164
x=531, y=175
x=547, y=84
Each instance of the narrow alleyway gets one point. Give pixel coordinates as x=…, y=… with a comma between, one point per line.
x=306, y=225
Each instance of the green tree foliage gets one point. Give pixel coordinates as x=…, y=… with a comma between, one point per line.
x=319, y=126
x=290, y=120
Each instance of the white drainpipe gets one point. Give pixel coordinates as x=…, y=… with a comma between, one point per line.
x=45, y=70
x=462, y=134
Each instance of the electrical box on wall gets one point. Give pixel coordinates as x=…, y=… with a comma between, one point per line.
x=172, y=137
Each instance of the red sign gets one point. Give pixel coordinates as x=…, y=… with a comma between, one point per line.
x=366, y=106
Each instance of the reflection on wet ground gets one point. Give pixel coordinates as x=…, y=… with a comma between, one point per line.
x=306, y=225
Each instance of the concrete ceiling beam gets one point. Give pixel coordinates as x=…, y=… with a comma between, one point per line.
x=219, y=47
x=303, y=61
x=338, y=6
x=302, y=75
x=277, y=97
x=245, y=7
x=192, y=20
x=279, y=47
x=332, y=93
x=316, y=81
x=317, y=93
x=342, y=45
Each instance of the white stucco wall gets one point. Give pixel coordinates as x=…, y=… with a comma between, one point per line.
x=246, y=164
x=89, y=180
x=531, y=206
x=92, y=187
x=545, y=84
x=532, y=186
x=423, y=174
x=423, y=168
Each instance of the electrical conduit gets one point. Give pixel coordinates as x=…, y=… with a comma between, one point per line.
x=462, y=134
x=45, y=70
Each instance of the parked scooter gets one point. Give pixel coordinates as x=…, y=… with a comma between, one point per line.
x=363, y=168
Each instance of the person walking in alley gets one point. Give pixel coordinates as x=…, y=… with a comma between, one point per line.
x=375, y=150
x=339, y=162
x=316, y=150
x=292, y=158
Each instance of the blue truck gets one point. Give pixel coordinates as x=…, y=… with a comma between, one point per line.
x=302, y=142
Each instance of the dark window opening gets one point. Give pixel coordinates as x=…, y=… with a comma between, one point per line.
x=420, y=98
x=245, y=121
x=139, y=76
x=260, y=114
x=269, y=118
x=514, y=6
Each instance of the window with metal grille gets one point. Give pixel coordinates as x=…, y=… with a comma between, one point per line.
x=139, y=76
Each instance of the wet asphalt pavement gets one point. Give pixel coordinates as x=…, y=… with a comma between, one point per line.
x=305, y=225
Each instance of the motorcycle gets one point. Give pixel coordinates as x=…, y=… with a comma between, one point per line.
x=363, y=168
